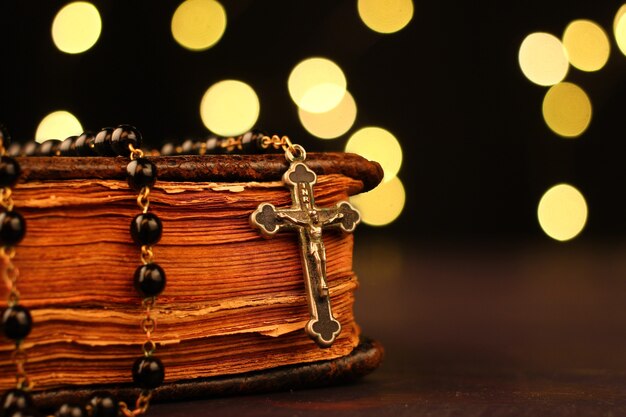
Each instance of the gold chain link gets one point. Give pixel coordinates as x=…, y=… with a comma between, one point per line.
x=231, y=143
x=148, y=325
x=134, y=152
x=143, y=200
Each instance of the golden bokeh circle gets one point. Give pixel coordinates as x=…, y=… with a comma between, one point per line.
x=562, y=212
x=229, y=108
x=59, y=124
x=385, y=16
x=587, y=45
x=383, y=204
x=76, y=27
x=567, y=109
x=333, y=123
x=317, y=85
x=543, y=59
x=198, y=24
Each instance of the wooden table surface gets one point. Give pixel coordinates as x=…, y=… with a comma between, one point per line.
x=507, y=330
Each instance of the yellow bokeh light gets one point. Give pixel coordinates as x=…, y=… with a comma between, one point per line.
x=385, y=16
x=76, y=27
x=620, y=12
x=383, y=204
x=229, y=107
x=198, y=24
x=619, y=29
x=567, y=109
x=333, y=123
x=378, y=145
x=58, y=125
x=562, y=212
x=543, y=59
x=587, y=45
x=317, y=85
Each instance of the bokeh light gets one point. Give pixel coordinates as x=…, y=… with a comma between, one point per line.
x=383, y=204
x=543, y=59
x=198, y=24
x=562, y=212
x=587, y=45
x=58, y=125
x=76, y=27
x=229, y=107
x=619, y=29
x=377, y=144
x=567, y=109
x=333, y=123
x=385, y=16
x=317, y=85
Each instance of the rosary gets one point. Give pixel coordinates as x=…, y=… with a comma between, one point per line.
x=148, y=372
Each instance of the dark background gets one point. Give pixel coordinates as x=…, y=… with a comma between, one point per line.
x=477, y=153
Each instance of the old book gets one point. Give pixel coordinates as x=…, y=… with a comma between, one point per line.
x=234, y=302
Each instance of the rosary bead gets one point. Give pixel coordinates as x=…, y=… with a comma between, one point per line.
x=148, y=372
x=70, y=410
x=29, y=148
x=189, y=147
x=9, y=171
x=16, y=322
x=14, y=149
x=122, y=137
x=141, y=173
x=102, y=142
x=251, y=142
x=83, y=146
x=146, y=229
x=48, y=147
x=150, y=280
x=212, y=145
x=12, y=228
x=168, y=149
x=103, y=404
x=14, y=400
x=66, y=148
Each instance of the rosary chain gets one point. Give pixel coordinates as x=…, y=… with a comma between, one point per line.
x=292, y=150
x=142, y=199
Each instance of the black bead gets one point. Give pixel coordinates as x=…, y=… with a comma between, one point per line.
x=102, y=142
x=123, y=136
x=146, y=229
x=190, y=147
x=148, y=372
x=48, y=147
x=66, y=148
x=71, y=410
x=16, y=322
x=84, y=144
x=168, y=149
x=15, y=149
x=141, y=173
x=212, y=145
x=103, y=404
x=15, y=399
x=9, y=171
x=149, y=280
x=29, y=148
x=12, y=228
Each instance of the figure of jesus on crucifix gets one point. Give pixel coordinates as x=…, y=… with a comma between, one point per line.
x=309, y=220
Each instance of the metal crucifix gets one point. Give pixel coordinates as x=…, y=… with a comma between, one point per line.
x=309, y=221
